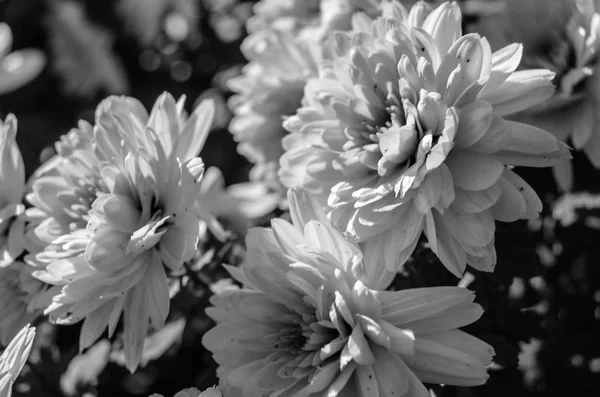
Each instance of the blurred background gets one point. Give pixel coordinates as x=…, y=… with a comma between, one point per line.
x=92, y=49
x=542, y=303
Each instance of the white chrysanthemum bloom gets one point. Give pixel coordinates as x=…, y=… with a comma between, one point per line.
x=12, y=187
x=120, y=215
x=22, y=299
x=309, y=321
x=17, y=68
x=193, y=392
x=566, y=40
x=270, y=88
x=82, y=53
x=404, y=133
x=14, y=358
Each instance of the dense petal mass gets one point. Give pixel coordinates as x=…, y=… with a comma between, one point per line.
x=307, y=321
x=283, y=51
x=402, y=134
x=114, y=212
x=565, y=40
x=270, y=88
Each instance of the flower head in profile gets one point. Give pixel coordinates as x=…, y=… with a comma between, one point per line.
x=12, y=187
x=193, y=392
x=403, y=133
x=119, y=214
x=14, y=358
x=269, y=89
x=566, y=40
x=310, y=320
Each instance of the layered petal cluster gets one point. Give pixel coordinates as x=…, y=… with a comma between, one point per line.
x=309, y=320
x=404, y=133
x=119, y=208
x=568, y=44
x=193, y=392
x=12, y=187
x=13, y=359
x=283, y=51
x=269, y=89
x=63, y=189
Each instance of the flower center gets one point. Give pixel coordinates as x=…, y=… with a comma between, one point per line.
x=78, y=202
x=391, y=145
x=290, y=338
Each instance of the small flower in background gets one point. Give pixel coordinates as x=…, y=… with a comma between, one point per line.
x=565, y=40
x=12, y=187
x=14, y=358
x=403, y=134
x=118, y=206
x=269, y=89
x=82, y=53
x=17, y=68
x=309, y=320
x=193, y=392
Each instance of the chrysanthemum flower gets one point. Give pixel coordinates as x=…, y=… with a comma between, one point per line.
x=270, y=88
x=14, y=358
x=564, y=39
x=120, y=214
x=193, y=392
x=310, y=321
x=404, y=133
x=12, y=187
